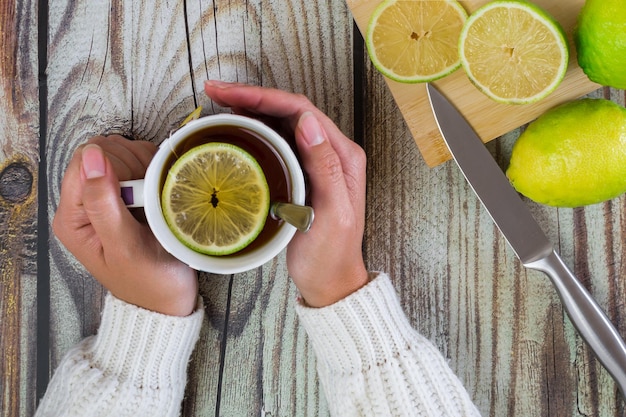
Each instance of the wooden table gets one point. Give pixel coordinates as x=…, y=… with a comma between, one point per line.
x=71, y=69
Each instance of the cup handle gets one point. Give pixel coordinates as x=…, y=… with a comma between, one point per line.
x=132, y=193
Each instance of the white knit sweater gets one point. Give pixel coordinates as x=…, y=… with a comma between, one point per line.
x=371, y=362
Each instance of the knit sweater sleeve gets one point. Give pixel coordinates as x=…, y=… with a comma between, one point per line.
x=135, y=366
x=371, y=362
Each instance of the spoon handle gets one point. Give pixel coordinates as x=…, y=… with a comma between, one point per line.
x=299, y=216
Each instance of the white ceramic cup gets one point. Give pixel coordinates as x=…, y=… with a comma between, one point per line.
x=146, y=193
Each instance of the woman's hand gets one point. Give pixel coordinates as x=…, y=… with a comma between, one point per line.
x=326, y=263
x=118, y=250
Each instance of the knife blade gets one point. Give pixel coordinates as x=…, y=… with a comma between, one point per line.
x=525, y=237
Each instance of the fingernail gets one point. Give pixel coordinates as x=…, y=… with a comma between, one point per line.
x=311, y=130
x=94, y=165
x=216, y=84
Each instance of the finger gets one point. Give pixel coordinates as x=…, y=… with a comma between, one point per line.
x=322, y=164
x=101, y=199
x=142, y=150
x=263, y=101
x=351, y=160
x=254, y=100
x=70, y=185
x=69, y=215
x=129, y=158
x=125, y=164
x=259, y=100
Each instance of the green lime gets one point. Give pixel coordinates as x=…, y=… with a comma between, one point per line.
x=415, y=41
x=216, y=199
x=573, y=155
x=513, y=51
x=600, y=39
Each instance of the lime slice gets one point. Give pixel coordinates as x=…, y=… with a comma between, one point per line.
x=415, y=41
x=513, y=51
x=216, y=199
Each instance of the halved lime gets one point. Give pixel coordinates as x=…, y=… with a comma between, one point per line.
x=514, y=51
x=216, y=199
x=415, y=41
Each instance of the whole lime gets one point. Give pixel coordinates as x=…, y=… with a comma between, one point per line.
x=600, y=38
x=572, y=155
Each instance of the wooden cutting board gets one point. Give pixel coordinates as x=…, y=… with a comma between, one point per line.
x=490, y=119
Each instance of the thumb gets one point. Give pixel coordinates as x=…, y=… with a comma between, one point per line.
x=101, y=196
x=321, y=162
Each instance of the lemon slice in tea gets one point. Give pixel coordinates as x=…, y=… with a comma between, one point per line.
x=513, y=51
x=216, y=199
x=415, y=41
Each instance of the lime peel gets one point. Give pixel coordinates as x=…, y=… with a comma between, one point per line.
x=415, y=41
x=499, y=65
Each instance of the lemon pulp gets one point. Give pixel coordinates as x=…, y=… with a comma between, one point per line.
x=415, y=41
x=513, y=51
x=216, y=199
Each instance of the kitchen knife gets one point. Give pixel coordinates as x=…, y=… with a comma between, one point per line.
x=528, y=241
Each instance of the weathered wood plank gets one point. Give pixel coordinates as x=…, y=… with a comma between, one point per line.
x=205, y=368
x=119, y=67
x=503, y=328
x=86, y=97
x=137, y=69
x=114, y=82
x=19, y=156
x=269, y=369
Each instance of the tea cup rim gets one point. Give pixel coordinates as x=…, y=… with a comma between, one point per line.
x=235, y=263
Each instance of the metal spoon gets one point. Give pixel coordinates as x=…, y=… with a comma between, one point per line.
x=299, y=216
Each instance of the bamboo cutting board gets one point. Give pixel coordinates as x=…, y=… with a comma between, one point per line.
x=489, y=119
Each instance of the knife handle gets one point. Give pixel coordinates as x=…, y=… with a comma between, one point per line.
x=587, y=316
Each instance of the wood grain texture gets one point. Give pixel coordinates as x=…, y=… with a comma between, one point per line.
x=479, y=110
x=19, y=154
x=137, y=70
x=269, y=369
x=120, y=68
x=502, y=328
